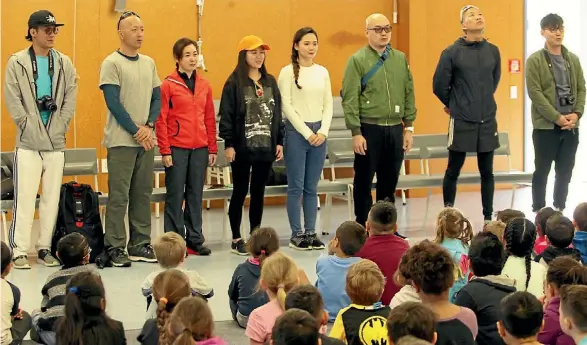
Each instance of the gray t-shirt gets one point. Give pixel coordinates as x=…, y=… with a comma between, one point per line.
x=136, y=79
x=563, y=84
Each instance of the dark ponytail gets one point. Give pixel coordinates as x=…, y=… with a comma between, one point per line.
x=263, y=243
x=295, y=54
x=85, y=318
x=520, y=235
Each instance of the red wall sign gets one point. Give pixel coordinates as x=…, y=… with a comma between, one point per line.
x=514, y=65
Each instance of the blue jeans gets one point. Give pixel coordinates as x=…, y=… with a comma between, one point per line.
x=304, y=164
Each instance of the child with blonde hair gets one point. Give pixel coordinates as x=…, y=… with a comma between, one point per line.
x=191, y=323
x=364, y=285
x=279, y=274
x=454, y=233
x=170, y=249
x=169, y=287
x=495, y=227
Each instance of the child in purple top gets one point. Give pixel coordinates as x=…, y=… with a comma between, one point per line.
x=561, y=271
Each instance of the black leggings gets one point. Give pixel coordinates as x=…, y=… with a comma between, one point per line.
x=259, y=173
x=453, y=170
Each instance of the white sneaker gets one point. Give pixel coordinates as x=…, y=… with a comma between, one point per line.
x=21, y=263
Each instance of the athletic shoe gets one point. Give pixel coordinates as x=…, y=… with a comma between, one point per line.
x=315, y=242
x=238, y=248
x=300, y=242
x=44, y=257
x=119, y=258
x=199, y=249
x=143, y=253
x=21, y=262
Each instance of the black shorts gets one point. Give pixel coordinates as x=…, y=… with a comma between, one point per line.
x=466, y=136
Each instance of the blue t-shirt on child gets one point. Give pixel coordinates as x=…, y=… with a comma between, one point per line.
x=44, y=83
x=331, y=271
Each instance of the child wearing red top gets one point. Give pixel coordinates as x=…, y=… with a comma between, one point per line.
x=541, y=217
x=384, y=246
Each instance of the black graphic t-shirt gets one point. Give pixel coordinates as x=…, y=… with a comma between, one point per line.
x=362, y=325
x=251, y=119
x=258, y=117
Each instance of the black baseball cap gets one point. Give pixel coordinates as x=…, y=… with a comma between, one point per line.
x=42, y=18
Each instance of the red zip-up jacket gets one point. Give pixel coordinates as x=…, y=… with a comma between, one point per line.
x=186, y=120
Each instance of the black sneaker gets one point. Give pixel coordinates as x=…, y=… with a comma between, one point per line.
x=238, y=248
x=300, y=242
x=199, y=249
x=315, y=242
x=119, y=258
x=143, y=253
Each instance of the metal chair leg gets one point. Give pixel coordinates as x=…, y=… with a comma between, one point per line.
x=209, y=182
x=5, y=227
x=157, y=175
x=403, y=172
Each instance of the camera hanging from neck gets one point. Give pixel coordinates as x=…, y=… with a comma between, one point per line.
x=35, y=68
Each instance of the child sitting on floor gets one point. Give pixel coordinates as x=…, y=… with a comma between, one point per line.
x=15, y=322
x=454, y=232
x=74, y=253
x=573, y=312
x=170, y=249
x=296, y=327
x=520, y=234
x=411, y=319
x=169, y=287
x=384, y=246
x=508, y=214
x=85, y=320
x=279, y=274
x=243, y=293
x=308, y=298
x=484, y=292
x=332, y=269
x=432, y=270
x=541, y=217
x=191, y=323
x=520, y=319
x=364, y=285
x=580, y=222
x=495, y=227
x=407, y=293
x=562, y=271
x=559, y=233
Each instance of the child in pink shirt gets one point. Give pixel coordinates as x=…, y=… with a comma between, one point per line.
x=279, y=275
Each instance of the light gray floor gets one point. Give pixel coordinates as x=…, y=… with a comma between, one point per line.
x=126, y=303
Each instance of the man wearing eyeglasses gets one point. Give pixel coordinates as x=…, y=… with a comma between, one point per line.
x=130, y=85
x=556, y=87
x=379, y=109
x=41, y=90
x=465, y=81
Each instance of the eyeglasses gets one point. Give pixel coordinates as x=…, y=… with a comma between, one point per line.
x=49, y=30
x=380, y=29
x=125, y=15
x=553, y=30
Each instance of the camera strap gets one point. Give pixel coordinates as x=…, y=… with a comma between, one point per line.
x=36, y=70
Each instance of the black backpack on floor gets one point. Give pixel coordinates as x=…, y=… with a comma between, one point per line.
x=79, y=212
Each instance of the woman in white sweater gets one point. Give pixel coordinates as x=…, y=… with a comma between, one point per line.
x=307, y=105
x=520, y=235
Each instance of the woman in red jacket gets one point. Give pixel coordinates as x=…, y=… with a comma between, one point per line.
x=186, y=134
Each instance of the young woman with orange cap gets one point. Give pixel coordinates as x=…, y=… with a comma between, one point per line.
x=253, y=131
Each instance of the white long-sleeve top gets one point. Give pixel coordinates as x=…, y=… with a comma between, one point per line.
x=312, y=103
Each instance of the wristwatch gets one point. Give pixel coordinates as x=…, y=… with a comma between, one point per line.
x=411, y=129
x=150, y=124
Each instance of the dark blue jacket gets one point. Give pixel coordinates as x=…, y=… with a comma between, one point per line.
x=580, y=243
x=244, y=288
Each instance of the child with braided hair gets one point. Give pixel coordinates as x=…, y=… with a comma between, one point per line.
x=169, y=287
x=191, y=323
x=519, y=235
x=454, y=233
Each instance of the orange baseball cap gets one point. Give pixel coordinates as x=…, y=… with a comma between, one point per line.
x=251, y=42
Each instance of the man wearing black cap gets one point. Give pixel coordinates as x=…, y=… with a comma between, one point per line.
x=465, y=81
x=41, y=91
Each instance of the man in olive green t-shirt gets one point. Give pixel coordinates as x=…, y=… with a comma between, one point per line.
x=131, y=89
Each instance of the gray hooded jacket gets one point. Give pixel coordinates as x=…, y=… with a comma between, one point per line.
x=21, y=95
